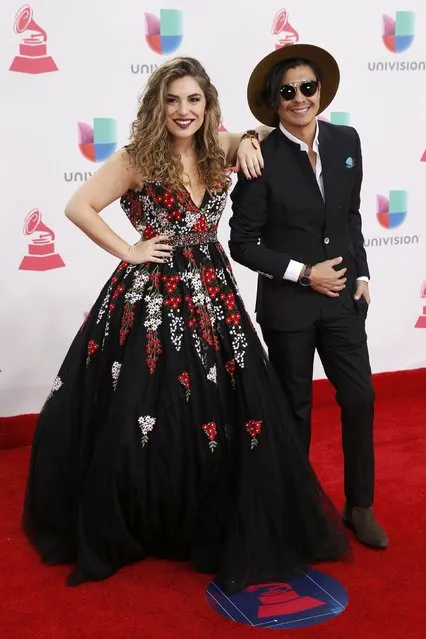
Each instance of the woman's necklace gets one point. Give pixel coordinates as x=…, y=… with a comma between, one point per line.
x=191, y=177
x=186, y=179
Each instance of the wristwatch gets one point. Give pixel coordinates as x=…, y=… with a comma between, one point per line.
x=305, y=278
x=251, y=133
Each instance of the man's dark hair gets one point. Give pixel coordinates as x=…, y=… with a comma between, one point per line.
x=271, y=93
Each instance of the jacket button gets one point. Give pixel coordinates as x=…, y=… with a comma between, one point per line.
x=326, y=240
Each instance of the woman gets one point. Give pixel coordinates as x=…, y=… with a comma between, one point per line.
x=165, y=432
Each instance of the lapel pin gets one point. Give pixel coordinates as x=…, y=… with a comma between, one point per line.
x=349, y=163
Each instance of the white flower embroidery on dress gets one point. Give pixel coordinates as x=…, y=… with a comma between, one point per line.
x=137, y=287
x=212, y=374
x=154, y=312
x=220, y=274
x=146, y=424
x=218, y=314
x=115, y=373
x=55, y=386
x=104, y=305
x=149, y=210
x=199, y=348
x=191, y=218
x=239, y=344
x=177, y=328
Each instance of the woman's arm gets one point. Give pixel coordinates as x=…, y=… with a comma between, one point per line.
x=244, y=154
x=108, y=184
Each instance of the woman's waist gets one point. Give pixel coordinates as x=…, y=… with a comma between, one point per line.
x=192, y=238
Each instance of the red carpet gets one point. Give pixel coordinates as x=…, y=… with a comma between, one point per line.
x=156, y=600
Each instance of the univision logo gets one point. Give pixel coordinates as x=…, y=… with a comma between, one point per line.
x=99, y=141
x=397, y=37
x=96, y=142
x=163, y=35
x=398, y=33
x=391, y=213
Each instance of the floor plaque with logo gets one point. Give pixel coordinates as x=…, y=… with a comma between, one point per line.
x=306, y=601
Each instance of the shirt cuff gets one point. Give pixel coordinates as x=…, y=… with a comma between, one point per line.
x=293, y=271
x=362, y=278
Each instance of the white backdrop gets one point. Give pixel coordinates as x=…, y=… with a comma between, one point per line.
x=103, y=59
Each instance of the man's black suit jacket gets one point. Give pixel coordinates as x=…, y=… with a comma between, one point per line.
x=282, y=215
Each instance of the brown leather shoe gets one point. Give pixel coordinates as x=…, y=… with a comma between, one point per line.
x=364, y=524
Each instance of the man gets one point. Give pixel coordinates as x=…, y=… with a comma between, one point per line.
x=299, y=227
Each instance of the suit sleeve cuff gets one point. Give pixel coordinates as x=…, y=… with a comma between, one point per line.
x=293, y=271
x=363, y=278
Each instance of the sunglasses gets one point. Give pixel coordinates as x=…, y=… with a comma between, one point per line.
x=308, y=88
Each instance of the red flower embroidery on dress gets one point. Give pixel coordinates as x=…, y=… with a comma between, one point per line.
x=173, y=301
x=211, y=432
x=134, y=211
x=189, y=254
x=216, y=343
x=153, y=350
x=127, y=320
x=174, y=215
x=213, y=291
x=180, y=197
x=253, y=428
x=185, y=380
x=228, y=300
x=234, y=319
x=168, y=199
x=191, y=305
x=205, y=325
x=201, y=224
x=155, y=279
x=171, y=282
x=185, y=199
x=192, y=322
x=120, y=288
x=149, y=232
x=230, y=368
x=208, y=275
x=92, y=347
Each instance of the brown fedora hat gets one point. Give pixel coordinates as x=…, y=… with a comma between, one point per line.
x=256, y=85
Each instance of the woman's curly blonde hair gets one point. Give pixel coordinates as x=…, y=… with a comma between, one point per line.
x=151, y=148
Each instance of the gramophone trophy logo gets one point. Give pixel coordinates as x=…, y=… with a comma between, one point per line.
x=41, y=254
x=421, y=320
x=32, y=56
x=283, y=29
